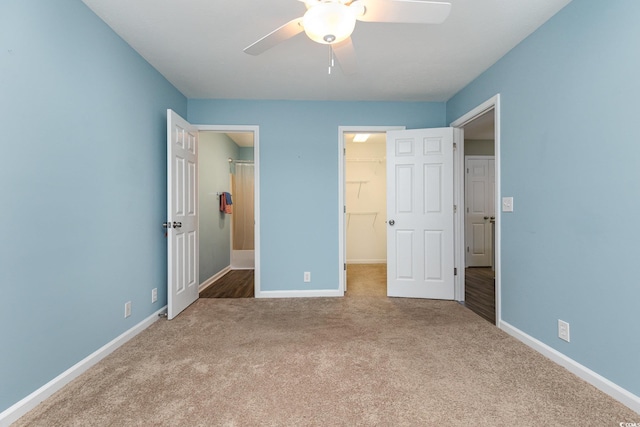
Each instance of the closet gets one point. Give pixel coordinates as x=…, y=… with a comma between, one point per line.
x=365, y=196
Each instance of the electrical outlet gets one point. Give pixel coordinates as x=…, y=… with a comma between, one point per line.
x=154, y=295
x=307, y=276
x=563, y=330
x=127, y=309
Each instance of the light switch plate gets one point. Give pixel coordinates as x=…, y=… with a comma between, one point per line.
x=507, y=204
x=563, y=330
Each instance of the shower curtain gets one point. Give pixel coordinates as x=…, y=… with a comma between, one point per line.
x=243, y=219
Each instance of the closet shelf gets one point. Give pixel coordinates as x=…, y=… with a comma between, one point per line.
x=359, y=185
x=377, y=160
x=375, y=216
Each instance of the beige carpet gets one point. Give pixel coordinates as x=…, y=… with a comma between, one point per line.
x=327, y=362
x=366, y=280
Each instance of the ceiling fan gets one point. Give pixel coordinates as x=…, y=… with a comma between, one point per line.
x=331, y=22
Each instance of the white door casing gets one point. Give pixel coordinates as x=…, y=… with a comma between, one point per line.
x=420, y=231
x=491, y=104
x=182, y=211
x=480, y=209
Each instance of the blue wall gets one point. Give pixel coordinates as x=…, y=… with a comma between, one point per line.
x=83, y=184
x=299, y=176
x=83, y=189
x=214, y=226
x=570, y=153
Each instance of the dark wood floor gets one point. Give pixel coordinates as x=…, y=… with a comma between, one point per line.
x=234, y=284
x=480, y=292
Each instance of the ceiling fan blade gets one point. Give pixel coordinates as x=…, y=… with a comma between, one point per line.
x=405, y=11
x=279, y=35
x=346, y=56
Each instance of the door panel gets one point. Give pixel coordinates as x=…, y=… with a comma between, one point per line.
x=404, y=254
x=182, y=245
x=405, y=189
x=420, y=213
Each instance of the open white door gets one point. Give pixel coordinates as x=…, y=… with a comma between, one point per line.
x=420, y=249
x=182, y=211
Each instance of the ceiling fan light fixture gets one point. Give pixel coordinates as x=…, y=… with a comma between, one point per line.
x=329, y=22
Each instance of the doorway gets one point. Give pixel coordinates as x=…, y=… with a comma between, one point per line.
x=365, y=197
x=229, y=233
x=478, y=190
x=362, y=195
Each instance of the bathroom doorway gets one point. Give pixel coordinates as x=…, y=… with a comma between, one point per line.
x=229, y=231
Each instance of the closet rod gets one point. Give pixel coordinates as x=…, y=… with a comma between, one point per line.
x=239, y=161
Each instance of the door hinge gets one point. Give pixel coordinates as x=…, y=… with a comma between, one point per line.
x=455, y=146
x=345, y=266
x=345, y=208
x=455, y=208
x=344, y=151
x=455, y=271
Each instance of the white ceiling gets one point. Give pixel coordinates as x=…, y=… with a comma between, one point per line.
x=242, y=139
x=198, y=46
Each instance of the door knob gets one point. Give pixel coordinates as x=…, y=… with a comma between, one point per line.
x=486, y=217
x=177, y=224
x=391, y=222
x=166, y=225
x=493, y=217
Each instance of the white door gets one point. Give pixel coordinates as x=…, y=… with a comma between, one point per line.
x=480, y=179
x=182, y=163
x=420, y=250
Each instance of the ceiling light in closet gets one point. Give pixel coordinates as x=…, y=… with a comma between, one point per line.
x=361, y=137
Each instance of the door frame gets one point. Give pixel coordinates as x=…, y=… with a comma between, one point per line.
x=256, y=162
x=342, y=233
x=492, y=103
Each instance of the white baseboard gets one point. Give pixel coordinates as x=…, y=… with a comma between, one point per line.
x=204, y=285
x=620, y=394
x=367, y=261
x=300, y=293
x=25, y=405
x=243, y=259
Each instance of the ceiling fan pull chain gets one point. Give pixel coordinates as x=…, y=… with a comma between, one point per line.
x=331, y=59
